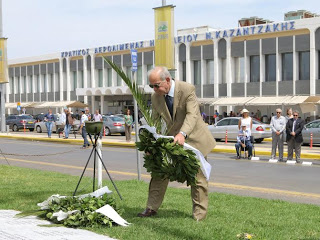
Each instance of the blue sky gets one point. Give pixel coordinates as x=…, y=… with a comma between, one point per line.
x=37, y=27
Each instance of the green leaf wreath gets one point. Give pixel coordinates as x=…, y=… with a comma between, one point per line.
x=85, y=215
x=163, y=158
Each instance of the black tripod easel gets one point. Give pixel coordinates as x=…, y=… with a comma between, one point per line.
x=95, y=152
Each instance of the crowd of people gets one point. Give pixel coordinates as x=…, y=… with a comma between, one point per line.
x=284, y=128
x=67, y=120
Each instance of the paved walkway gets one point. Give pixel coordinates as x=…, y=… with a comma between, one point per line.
x=28, y=228
x=261, y=149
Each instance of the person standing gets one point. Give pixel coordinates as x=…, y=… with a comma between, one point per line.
x=176, y=103
x=69, y=122
x=83, y=130
x=128, y=125
x=258, y=115
x=216, y=116
x=294, y=129
x=243, y=140
x=98, y=118
x=289, y=114
x=278, y=126
x=245, y=120
x=49, y=119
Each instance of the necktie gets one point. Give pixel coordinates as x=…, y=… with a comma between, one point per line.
x=169, y=102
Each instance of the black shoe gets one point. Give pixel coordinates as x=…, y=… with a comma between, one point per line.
x=238, y=157
x=298, y=161
x=249, y=158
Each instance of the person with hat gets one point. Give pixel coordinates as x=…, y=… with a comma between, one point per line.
x=243, y=141
x=83, y=130
x=245, y=120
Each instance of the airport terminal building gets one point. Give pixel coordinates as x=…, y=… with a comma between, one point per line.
x=257, y=64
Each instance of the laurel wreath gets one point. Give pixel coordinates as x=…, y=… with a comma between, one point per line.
x=85, y=216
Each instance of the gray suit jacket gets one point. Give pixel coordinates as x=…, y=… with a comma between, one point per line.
x=186, y=117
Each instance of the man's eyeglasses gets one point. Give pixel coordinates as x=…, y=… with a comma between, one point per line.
x=156, y=85
x=278, y=112
x=295, y=115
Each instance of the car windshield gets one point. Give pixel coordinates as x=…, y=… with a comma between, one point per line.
x=24, y=117
x=116, y=119
x=254, y=121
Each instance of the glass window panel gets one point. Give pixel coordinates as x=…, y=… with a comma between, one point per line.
x=239, y=69
x=119, y=80
x=304, y=65
x=270, y=68
x=19, y=85
x=100, y=73
x=109, y=77
x=139, y=75
x=254, y=68
x=57, y=82
x=287, y=67
x=43, y=83
x=12, y=85
x=210, y=72
x=184, y=71
x=24, y=89
x=38, y=83
x=223, y=70
x=197, y=72
x=149, y=67
x=49, y=83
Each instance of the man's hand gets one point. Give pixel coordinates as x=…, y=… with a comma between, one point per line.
x=293, y=133
x=278, y=133
x=179, y=138
x=243, y=145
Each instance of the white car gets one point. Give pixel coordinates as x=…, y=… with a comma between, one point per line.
x=230, y=125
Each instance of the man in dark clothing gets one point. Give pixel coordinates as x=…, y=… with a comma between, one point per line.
x=294, y=129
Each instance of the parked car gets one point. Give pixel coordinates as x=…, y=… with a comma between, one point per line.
x=314, y=128
x=41, y=126
x=259, y=129
x=39, y=117
x=113, y=124
x=17, y=122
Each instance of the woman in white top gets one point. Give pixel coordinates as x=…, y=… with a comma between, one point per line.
x=245, y=120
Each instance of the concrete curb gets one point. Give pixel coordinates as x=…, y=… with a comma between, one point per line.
x=132, y=145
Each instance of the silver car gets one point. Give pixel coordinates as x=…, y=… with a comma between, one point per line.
x=314, y=128
x=230, y=124
x=113, y=124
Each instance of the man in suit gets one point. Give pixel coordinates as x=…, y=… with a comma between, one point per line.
x=294, y=129
x=176, y=103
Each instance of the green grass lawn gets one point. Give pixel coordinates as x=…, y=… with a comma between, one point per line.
x=21, y=189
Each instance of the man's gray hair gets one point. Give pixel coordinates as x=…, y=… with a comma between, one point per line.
x=296, y=111
x=164, y=73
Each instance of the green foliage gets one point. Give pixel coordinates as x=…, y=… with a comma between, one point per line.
x=86, y=217
x=164, y=159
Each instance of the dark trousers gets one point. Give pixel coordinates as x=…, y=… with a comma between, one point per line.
x=248, y=147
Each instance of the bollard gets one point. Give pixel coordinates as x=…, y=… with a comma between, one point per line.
x=24, y=126
x=311, y=140
x=104, y=131
x=226, y=138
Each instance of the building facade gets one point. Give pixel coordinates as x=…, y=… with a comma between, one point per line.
x=275, y=59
